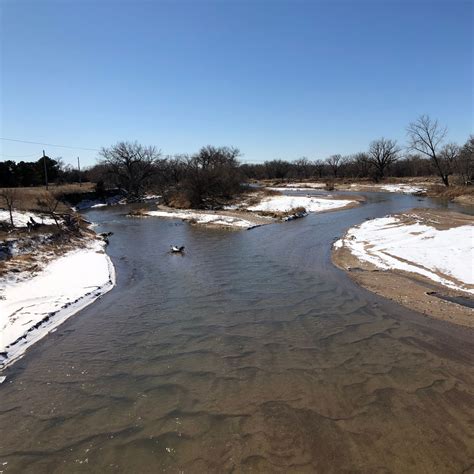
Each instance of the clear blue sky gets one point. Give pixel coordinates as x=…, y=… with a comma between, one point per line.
x=278, y=79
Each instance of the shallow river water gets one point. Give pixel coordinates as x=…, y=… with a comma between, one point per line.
x=251, y=353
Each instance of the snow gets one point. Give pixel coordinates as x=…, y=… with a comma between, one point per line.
x=32, y=307
x=151, y=197
x=287, y=203
x=444, y=256
x=391, y=188
x=21, y=218
x=110, y=201
x=288, y=188
x=298, y=187
x=94, y=203
x=304, y=185
x=402, y=188
x=205, y=218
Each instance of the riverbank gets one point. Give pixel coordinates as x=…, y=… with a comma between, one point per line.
x=421, y=259
x=33, y=303
x=51, y=266
x=254, y=209
x=429, y=186
x=223, y=219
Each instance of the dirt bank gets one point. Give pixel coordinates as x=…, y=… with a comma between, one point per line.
x=408, y=288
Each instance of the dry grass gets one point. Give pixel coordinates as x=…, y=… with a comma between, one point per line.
x=460, y=194
x=142, y=212
x=27, y=198
x=179, y=201
x=283, y=214
x=34, y=253
x=451, y=192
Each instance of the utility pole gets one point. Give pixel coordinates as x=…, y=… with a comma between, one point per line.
x=79, y=169
x=45, y=171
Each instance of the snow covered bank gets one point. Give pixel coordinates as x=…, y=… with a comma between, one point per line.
x=21, y=218
x=402, y=188
x=287, y=203
x=211, y=219
x=390, y=188
x=110, y=201
x=93, y=203
x=298, y=187
x=30, y=307
x=289, y=188
x=445, y=256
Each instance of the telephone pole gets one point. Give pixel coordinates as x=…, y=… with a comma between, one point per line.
x=45, y=171
x=79, y=169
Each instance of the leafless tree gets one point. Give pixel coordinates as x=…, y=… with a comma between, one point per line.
x=382, y=154
x=362, y=164
x=9, y=197
x=131, y=165
x=176, y=168
x=211, y=177
x=303, y=168
x=448, y=157
x=319, y=167
x=48, y=202
x=335, y=162
x=426, y=136
x=465, y=162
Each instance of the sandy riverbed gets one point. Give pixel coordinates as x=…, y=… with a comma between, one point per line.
x=412, y=257
x=254, y=210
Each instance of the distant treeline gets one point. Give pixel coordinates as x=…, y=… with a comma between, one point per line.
x=32, y=173
x=214, y=174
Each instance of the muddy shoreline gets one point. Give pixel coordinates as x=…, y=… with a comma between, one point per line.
x=410, y=289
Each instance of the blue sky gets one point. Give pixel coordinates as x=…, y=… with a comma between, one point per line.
x=278, y=79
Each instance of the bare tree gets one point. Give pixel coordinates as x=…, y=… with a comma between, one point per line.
x=383, y=153
x=211, y=177
x=426, y=136
x=48, y=202
x=335, y=162
x=465, y=162
x=448, y=156
x=9, y=197
x=303, y=168
x=362, y=164
x=132, y=165
x=319, y=167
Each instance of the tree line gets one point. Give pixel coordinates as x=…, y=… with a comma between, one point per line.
x=214, y=174
x=426, y=153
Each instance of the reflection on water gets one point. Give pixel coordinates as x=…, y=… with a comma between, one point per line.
x=250, y=353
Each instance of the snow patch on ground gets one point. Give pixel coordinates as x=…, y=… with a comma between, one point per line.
x=391, y=188
x=402, y=188
x=298, y=187
x=287, y=203
x=444, y=256
x=288, y=188
x=205, y=218
x=32, y=307
x=110, y=201
x=93, y=203
x=21, y=218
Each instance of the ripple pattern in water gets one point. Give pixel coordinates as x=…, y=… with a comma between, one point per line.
x=250, y=354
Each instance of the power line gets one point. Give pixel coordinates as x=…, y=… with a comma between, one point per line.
x=49, y=144
x=19, y=156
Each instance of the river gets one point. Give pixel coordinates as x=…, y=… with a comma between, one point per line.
x=250, y=353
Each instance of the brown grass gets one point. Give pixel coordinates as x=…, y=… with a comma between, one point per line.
x=142, y=212
x=451, y=193
x=35, y=254
x=282, y=214
x=26, y=198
